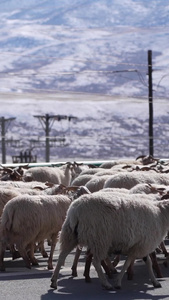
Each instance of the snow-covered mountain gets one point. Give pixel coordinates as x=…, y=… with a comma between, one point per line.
x=75, y=45
x=89, y=48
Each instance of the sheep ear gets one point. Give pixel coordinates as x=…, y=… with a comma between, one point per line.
x=49, y=184
x=38, y=188
x=141, y=156
x=72, y=188
x=78, y=164
x=8, y=170
x=25, y=166
x=164, y=197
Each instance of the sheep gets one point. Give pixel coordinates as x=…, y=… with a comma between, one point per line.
x=5, y=196
x=147, y=159
x=96, y=183
x=110, y=164
x=144, y=188
x=130, y=179
x=91, y=171
x=29, y=219
x=114, y=222
x=57, y=175
x=80, y=167
x=115, y=190
x=81, y=179
x=93, y=188
x=108, y=172
x=12, y=173
x=84, y=190
x=22, y=184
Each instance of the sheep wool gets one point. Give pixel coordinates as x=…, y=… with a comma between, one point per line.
x=115, y=222
x=29, y=219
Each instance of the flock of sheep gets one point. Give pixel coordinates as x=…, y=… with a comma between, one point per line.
x=118, y=208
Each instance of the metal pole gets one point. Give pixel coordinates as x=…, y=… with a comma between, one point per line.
x=47, y=138
x=150, y=97
x=3, y=140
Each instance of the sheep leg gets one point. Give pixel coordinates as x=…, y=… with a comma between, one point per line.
x=42, y=249
x=130, y=271
x=155, y=265
x=106, y=264
x=15, y=253
x=61, y=259
x=89, y=257
x=116, y=261
x=2, y=254
x=33, y=260
x=148, y=262
x=121, y=274
x=52, y=249
x=111, y=269
x=101, y=275
x=75, y=261
x=25, y=256
x=163, y=247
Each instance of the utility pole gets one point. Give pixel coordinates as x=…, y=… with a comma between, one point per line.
x=47, y=123
x=150, y=98
x=3, y=123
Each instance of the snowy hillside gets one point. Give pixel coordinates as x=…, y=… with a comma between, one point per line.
x=75, y=45
x=88, y=59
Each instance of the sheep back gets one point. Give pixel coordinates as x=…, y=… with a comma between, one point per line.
x=33, y=218
x=124, y=224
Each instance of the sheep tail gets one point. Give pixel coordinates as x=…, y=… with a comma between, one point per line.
x=7, y=220
x=69, y=235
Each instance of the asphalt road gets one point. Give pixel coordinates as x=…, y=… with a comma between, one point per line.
x=19, y=283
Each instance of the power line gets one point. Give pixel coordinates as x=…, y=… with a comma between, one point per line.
x=66, y=73
x=73, y=59
x=69, y=92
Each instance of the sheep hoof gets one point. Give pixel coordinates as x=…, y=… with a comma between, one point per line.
x=117, y=287
x=74, y=273
x=45, y=255
x=108, y=287
x=165, y=263
x=35, y=263
x=50, y=267
x=16, y=255
x=87, y=279
x=53, y=284
x=157, y=284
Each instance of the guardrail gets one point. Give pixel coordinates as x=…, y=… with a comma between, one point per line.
x=54, y=164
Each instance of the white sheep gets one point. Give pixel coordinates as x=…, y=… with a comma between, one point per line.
x=94, y=188
x=22, y=184
x=91, y=171
x=81, y=179
x=130, y=179
x=114, y=222
x=5, y=196
x=96, y=183
x=29, y=219
x=57, y=175
x=112, y=163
